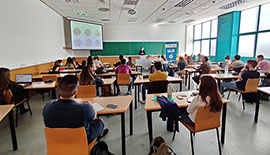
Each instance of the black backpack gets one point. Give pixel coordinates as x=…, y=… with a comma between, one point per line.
x=101, y=148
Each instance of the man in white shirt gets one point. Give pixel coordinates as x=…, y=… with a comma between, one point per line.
x=97, y=62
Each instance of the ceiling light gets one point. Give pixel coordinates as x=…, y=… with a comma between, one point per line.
x=105, y=20
x=131, y=12
x=233, y=4
x=189, y=21
x=183, y=3
x=72, y=1
x=172, y=21
x=131, y=2
x=81, y=12
x=103, y=9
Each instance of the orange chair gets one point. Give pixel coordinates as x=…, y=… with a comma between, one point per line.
x=251, y=87
x=123, y=79
x=205, y=120
x=86, y=91
x=67, y=141
x=8, y=98
x=49, y=77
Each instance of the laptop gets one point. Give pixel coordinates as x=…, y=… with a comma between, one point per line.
x=24, y=79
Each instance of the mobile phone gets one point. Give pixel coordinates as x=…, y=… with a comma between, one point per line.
x=111, y=106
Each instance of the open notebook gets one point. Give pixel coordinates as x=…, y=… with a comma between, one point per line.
x=97, y=107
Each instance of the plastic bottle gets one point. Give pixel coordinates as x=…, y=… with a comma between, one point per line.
x=169, y=91
x=226, y=69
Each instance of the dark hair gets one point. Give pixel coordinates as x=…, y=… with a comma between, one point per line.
x=69, y=61
x=129, y=58
x=84, y=63
x=181, y=59
x=227, y=57
x=90, y=61
x=96, y=58
x=158, y=65
x=237, y=57
x=68, y=86
x=208, y=87
x=260, y=56
x=121, y=57
x=253, y=63
x=86, y=77
x=123, y=61
x=206, y=58
x=163, y=57
x=4, y=80
x=90, y=58
x=73, y=58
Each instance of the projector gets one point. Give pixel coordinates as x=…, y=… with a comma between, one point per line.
x=131, y=12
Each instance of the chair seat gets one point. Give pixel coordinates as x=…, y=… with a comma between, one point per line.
x=242, y=91
x=190, y=127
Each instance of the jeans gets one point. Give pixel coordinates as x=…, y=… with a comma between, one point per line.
x=144, y=88
x=129, y=87
x=95, y=129
x=185, y=117
x=227, y=86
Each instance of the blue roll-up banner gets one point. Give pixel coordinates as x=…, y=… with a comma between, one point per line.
x=171, y=49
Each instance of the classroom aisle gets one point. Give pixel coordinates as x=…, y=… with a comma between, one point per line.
x=243, y=137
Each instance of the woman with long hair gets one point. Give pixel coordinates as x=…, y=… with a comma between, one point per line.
x=17, y=90
x=70, y=63
x=86, y=77
x=208, y=96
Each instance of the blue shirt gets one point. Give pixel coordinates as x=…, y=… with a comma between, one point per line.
x=68, y=114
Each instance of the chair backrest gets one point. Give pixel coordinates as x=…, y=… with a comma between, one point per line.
x=86, y=91
x=205, y=119
x=66, y=141
x=213, y=72
x=123, y=79
x=252, y=85
x=50, y=77
x=158, y=87
x=8, y=96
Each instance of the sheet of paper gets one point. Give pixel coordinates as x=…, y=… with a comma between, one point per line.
x=97, y=107
x=39, y=84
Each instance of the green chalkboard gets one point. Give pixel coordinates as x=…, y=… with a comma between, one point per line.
x=130, y=48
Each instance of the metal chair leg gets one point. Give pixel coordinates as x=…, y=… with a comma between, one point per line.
x=229, y=95
x=239, y=97
x=219, y=146
x=29, y=107
x=174, y=133
x=244, y=107
x=17, y=111
x=191, y=140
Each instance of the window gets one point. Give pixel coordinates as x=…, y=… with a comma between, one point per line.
x=246, y=45
x=206, y=30
x=213, y=47
x=205, y=47
x=263, y=44
x=248, y=22
x=205, y=35
x=198, y=31
x=197, y=47
x=264, y=17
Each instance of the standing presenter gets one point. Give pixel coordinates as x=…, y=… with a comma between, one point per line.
x=142, y=52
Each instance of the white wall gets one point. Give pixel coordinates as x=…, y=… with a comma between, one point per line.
x=189, y=39
x=118, y=33
x=31, y=33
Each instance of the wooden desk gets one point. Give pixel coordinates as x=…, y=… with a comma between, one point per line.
x=42, y=86
x=4, y=111
x=112, y=69
x=109, y=74
x=108, y=82
x=153, y=106
x=64, y=71
x=265, y=90
x=123, y=102
x=61, y=75
x=138, y=82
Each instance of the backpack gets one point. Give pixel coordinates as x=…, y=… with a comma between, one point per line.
x=101, y=148
x=159, y=147
x=17, y=92
x=101, y=70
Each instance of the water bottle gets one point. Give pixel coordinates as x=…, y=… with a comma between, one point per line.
x=226, y=69
x=169, y=91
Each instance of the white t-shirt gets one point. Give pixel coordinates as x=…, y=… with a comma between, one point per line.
x=197, y=102
x=97, y=63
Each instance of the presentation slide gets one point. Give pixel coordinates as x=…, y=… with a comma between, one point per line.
x=86, y=36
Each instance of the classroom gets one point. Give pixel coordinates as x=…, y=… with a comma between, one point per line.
x=135, y=77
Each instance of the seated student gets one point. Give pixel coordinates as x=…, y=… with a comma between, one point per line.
x=203, y=69
x=119, y=62
x=251, y=73
x=156, y=76
x=263, y=64
x=236, y=63
x=75, y=62
x=123, y=68
x=56, y=67
x=70, y=64
x=130, y=63
x=208, y=97
x=181, y=66
x=82, y=65
x=228, y=60
x=67, y=113
x=165, y=63
x=97, y=62
x=90, y=60
x=17, y=90
x=189, y=59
